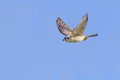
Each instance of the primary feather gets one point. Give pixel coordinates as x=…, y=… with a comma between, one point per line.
x=79, y=30
x=63, y=28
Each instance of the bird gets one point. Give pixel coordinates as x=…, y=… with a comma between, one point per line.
x=76, y=34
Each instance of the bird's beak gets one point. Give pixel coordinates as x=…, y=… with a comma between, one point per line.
x=63, y=39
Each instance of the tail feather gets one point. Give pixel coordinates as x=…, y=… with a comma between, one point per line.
x=93, y=35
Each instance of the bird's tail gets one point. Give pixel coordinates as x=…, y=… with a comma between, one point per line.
x=93, y=35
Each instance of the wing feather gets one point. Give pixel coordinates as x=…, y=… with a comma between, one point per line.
x=79, y=30
x=63, y=28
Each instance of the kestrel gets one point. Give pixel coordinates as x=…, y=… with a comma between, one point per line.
x=75, y=35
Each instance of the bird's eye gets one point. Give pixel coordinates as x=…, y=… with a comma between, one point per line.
x=67, y=37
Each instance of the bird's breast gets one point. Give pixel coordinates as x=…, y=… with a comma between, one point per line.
x=77, y=39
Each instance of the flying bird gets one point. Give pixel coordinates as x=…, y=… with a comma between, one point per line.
x=75, y=35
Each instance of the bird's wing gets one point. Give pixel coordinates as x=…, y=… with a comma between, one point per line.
x=63, y=28
x=79, y=30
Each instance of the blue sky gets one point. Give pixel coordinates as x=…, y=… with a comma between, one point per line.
x=31, y=47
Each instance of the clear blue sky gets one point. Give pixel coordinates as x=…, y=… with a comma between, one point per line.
x=31, y=47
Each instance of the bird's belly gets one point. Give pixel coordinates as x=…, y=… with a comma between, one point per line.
x=78, y=39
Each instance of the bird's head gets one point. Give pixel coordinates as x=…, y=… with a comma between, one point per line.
x=67, y=39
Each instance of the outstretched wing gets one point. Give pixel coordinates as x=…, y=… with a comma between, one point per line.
x=63, y=28
x=79, y=30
